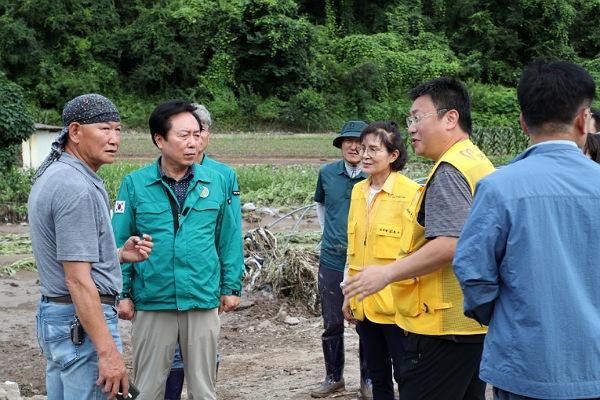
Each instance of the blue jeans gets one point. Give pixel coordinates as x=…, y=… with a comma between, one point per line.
x=71, y=370
x=177, y=359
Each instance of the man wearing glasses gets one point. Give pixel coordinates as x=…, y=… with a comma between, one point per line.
x=444, y=347
x=334, y=188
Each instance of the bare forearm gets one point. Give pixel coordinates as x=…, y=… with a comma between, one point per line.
x=88, y=307
x=429, y=258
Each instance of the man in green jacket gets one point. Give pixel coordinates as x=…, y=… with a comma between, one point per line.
x=231, y=180
x=174, y=385
x=196, y=268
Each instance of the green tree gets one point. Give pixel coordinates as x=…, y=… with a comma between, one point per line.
x=495, y=40
x=16, y=122
x=274, y=48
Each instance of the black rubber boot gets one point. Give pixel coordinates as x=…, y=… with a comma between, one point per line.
x=333, y=353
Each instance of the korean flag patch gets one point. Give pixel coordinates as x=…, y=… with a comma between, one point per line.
x=119, y=206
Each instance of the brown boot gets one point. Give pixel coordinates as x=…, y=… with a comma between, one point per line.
x=328, y=387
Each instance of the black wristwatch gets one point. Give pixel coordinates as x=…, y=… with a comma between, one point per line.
x=124, y=296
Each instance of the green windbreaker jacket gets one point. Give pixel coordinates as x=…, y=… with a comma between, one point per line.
x=189, y=269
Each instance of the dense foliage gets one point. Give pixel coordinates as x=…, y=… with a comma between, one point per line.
x=16, y=122
x=308, y=64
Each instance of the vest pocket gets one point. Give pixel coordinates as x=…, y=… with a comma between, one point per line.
x=356, y=306
x=413, y=236
x=407, y=297
x=351, y=238
x=387, y=241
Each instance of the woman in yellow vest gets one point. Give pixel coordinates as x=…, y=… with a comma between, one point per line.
x=375, y=223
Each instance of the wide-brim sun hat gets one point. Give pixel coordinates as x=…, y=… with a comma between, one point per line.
x=351, y=129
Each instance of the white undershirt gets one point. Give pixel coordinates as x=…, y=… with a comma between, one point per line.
x=352, y=170
x=372, y=193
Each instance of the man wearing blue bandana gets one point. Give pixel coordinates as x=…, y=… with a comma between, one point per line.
x=196, y=268
x=77, y=258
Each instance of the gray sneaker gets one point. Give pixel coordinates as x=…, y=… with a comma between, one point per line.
x=366, y=389
x=328, y=387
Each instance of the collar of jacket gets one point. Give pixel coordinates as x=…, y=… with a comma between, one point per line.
x=200, y=174
x=545, y=148
x=341, y=170
x=388, y=185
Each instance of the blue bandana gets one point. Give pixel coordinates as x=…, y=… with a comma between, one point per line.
x=85, y=109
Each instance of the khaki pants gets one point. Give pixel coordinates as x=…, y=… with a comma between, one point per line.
x=154, y=337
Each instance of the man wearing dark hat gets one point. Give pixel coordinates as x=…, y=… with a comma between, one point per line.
x=76, y=256
x=332, y=195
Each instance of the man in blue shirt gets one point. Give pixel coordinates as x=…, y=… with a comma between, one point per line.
x=334, y=187
x=527, y=258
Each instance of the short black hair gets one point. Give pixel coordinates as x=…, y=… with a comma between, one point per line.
x=592, y=147
x=450, y=94
x=553, y=92
x=389, y=134
x=160, y=119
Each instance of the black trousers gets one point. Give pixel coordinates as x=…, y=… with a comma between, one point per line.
x=384, y=346
x=332, y=338
x=439, y=369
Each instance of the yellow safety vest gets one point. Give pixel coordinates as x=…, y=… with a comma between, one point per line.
x=432, y=304
x=374, y=235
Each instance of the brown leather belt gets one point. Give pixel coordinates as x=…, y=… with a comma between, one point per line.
x=104, y=299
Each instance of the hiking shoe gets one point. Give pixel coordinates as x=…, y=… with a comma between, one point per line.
x=329, y=386
x=366, y=389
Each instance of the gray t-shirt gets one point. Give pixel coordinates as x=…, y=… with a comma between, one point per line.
x=69, y=220
x=447, y=202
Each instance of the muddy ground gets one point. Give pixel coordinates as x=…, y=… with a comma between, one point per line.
x=262, y=356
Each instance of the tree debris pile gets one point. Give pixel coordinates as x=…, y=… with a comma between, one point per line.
x=288, y=272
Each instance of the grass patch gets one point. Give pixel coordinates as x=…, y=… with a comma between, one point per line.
x=270, y=185
x=11, y=243
x=135, y=144
x=16, y=244
x=25, y=264
x=264, y=185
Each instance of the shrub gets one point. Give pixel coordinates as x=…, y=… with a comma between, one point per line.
x=15, y=185
x=269, y=110
x=16, y=121
x=307, y=109
x=494, y=105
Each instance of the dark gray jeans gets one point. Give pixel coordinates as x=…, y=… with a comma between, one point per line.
x=332, y=338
